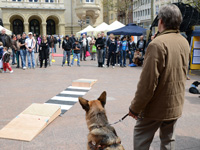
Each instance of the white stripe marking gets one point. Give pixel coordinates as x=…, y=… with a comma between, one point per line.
x=73, y=93
x=65, y=98
x=63, y=107
x=81, y=88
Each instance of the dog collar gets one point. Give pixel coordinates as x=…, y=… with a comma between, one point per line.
x=193, y=86
x=94, y=146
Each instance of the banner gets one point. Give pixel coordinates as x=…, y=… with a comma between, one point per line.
x=195, y=53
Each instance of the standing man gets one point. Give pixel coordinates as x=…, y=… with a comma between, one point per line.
x=105, y=45
x=84, y=46
x=89, y=39
x=5, y=39
x=160, y=94
x=35, y=37
x=59, y=40
x=72, y=38
x=123, y=51
x=67, y=47
x=55, y=42
x=23, y=51
x=30, y=46
x=141, y=44
x=18, y=50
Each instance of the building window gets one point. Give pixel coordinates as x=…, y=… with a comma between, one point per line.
x=87, y=20
x=157, y=9
x=18, y=27
x=111, y=17
x=33, y=0
x=34, y=27
x=51, y=27
x=49, y=1
x=89, y=1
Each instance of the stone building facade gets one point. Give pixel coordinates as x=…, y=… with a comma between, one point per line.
x=49, y=17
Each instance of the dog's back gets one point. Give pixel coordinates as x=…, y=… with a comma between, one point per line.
x=101, y=135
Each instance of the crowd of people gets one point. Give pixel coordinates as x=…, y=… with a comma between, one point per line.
x=113, y=48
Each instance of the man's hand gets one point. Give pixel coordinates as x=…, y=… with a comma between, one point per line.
x=134, y=117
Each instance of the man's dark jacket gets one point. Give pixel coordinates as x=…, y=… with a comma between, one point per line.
x=7, y=41
x=67, y=45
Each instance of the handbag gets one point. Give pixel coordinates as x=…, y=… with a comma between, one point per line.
x=87, y=54
x=94, y=49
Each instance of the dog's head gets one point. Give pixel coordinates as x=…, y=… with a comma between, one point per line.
x=93, y=105
x=196, y=83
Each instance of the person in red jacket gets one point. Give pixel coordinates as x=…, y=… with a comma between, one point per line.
x=6, y=59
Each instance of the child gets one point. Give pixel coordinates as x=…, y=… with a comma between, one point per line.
x=76, y=47
x=6, y=59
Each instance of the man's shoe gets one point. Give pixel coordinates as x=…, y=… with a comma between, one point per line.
x=113, y=67
x=11, y=71
x=17, y=67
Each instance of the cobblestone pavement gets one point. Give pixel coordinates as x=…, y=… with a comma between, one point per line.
x=69, y=132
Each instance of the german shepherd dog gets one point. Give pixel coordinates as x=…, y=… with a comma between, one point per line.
x=101, y=135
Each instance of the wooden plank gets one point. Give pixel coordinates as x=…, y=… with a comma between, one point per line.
x=84, y=82
x=30, y=122
x=24, y=127
x=41, y=110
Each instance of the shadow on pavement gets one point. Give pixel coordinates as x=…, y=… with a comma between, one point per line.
x=194, y=99
x=187, y=143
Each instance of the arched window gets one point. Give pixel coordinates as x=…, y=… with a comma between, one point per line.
x=18, y=27
x=87, y=20
x=35, y=27
x=51, y=27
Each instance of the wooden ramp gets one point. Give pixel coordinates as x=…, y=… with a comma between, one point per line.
x=30, y=122
x=84, y=82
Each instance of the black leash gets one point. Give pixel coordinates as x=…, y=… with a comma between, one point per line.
x=120, y=120
x=138, y=118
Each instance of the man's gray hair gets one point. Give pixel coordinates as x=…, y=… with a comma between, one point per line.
x=171, y=16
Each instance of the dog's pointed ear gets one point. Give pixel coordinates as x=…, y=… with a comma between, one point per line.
x=84, y=104
x=102, y=98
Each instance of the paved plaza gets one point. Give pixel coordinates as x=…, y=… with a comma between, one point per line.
x=69, y=132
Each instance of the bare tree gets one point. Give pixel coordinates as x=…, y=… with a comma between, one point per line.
x=195, y=3
x=119, y=6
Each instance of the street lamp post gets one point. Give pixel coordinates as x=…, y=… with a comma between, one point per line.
x=81, y=23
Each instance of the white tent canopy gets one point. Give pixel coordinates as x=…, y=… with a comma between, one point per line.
x=7, y=31
x=102, y=27
x=115, y=25
x=88, y=28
